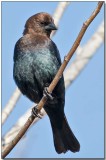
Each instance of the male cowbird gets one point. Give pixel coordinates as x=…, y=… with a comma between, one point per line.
x=36, y=62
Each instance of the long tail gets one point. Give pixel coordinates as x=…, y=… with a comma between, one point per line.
x=64, y=138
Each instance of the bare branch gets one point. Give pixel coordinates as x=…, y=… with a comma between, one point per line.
x=59, y=13
x=16, y=128
x=84, y=55
x=17, y=94
x=54, y=82
x=10, y=105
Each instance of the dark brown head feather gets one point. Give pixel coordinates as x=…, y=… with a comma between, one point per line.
x=37, y=23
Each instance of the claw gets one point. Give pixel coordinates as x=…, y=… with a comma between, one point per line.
x=35, y=112
x=49, y=96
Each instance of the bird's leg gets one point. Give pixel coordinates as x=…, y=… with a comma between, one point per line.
x=36, y=113
x=46, y=93
x=51, y=97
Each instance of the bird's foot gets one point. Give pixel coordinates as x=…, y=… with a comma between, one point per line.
x=36, y=113
x=47, y=94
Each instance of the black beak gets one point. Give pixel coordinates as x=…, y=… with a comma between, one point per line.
x=51, y=26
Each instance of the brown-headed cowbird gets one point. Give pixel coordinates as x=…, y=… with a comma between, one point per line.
x=36, y=62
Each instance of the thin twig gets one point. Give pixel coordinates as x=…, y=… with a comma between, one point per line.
x=58, y=13
x=83, y=56
x=55, y=80
x=6, y=140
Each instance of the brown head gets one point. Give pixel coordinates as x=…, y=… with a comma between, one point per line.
x=41, y=23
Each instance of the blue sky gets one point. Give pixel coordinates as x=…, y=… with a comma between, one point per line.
x=84, y=106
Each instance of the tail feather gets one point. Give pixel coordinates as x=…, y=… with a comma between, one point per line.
x=58, y=143
x=64, y=138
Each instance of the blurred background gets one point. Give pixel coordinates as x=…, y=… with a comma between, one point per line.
x=84, y=105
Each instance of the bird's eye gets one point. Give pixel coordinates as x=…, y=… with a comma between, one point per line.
x=44, y=23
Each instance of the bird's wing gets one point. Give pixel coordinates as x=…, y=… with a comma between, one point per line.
x=53, y=49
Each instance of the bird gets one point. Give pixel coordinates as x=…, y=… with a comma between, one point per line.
x=36, y=62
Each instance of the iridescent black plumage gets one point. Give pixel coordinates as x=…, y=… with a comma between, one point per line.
x=36, y=62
